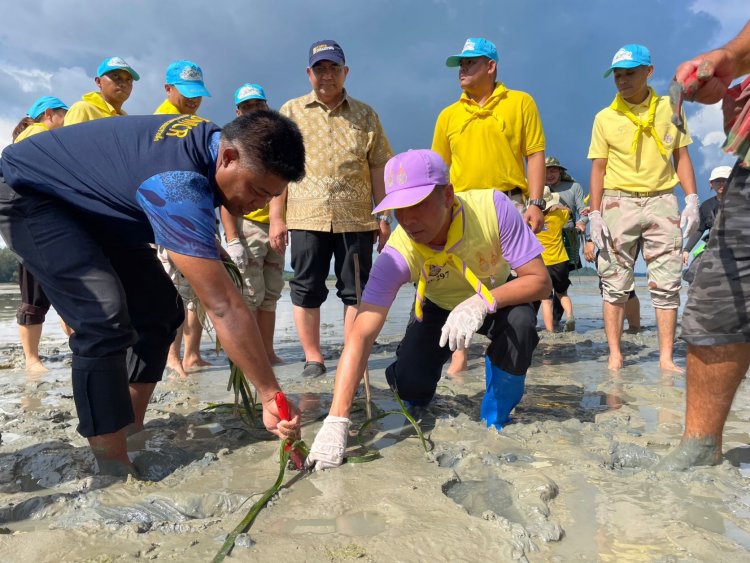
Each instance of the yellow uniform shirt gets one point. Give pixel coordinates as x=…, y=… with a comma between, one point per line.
x=479, y=248
x=484, y=145
x=646, y=169
x=167, y=107
x=341, y=146
x=551, y=237
x=32, y=129
x=91, y=106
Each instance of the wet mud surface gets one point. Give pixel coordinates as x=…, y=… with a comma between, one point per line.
x=571, y=479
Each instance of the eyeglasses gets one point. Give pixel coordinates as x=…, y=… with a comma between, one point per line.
x=320, y=70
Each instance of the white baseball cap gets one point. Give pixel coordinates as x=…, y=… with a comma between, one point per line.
x=720, y=172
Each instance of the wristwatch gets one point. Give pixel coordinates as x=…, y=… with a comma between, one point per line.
x=540, y=203
x=387, y=219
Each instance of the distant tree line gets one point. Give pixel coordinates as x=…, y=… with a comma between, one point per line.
x=8, y=266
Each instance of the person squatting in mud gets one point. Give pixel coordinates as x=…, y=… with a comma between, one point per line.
x=459, y=249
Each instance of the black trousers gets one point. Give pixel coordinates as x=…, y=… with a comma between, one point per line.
x=420, y=358
x=115, y=296
x=34, y=303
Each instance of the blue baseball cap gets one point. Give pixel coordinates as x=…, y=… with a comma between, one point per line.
x=474, y=47
x=44, y=103
x=115, y=63
x=187, y=77
x=326, y=50
x=630, y=56
x=249, y=92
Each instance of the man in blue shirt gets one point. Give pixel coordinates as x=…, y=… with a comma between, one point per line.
x=80, y=206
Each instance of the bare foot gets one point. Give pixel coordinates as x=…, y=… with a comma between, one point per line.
x=175, y=370
x=458, y=362
x=274, y=359
x=35, y=366
x=691, y=452
x=670, y=366
x=195, y=363
x=615, y=362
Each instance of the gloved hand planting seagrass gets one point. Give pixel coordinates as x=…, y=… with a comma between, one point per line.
x=328, y=448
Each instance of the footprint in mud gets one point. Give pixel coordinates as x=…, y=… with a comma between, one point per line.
x=478, y=497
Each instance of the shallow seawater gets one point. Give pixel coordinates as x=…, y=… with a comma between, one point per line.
x=570, y=479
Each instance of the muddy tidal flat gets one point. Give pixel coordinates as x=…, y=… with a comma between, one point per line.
x=570, y=479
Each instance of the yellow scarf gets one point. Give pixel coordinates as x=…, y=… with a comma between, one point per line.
x=476, y=111
x=442, y=258
x=620, y=105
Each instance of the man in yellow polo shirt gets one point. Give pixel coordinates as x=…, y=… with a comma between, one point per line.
x=459, y=249
x=185, y=91
x=114, y=77
x=249, y=246
x=487, y=134
x=638, y=156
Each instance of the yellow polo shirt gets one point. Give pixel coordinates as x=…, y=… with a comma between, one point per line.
x=644, y=170
x=91, y=106
x=485, y=146
x=551, y=237
x=32, y=129
x=167, y=107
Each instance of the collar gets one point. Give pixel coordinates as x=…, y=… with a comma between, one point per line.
x=167, y=107
x=500, y=91
x=311, y=99
x=96, y=99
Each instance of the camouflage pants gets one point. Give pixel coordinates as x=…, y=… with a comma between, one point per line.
x=655, y=223
x=263, y=273
x=718, y=307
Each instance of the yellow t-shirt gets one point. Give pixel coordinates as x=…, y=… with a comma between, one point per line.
x=167, y=107
x=32, y=129
x=484, y=146
x=551, y=237
x=646, y=169
x=91, y=106
x=480, y=249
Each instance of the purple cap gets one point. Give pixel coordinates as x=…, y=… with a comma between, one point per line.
x=410, y=177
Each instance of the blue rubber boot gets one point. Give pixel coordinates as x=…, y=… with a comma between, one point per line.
x=503, y=393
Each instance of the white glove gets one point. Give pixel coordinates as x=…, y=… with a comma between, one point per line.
x=463, y=322
x=237, y=253
x=690, y=216
x=328, y=448
x=598, y=229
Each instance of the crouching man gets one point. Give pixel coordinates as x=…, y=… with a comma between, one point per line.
x=459, y=250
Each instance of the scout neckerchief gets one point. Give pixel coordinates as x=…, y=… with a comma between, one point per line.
x=445, y=257
x=620, y=105
x=476, y=111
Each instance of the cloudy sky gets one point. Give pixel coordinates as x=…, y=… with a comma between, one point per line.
x=556, y=51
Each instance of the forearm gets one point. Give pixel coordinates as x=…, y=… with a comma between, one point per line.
x=684, y=168
x=536, y=173
x=740, y=49
x=277, y=208
x=692, y=240
x=229, y=222
x=377, y=179
x=533, y=286
x=232, y=320
x=596, y=183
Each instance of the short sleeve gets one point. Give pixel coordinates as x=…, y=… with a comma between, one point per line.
x=381, y=149
x=534, y=140
x=517, y=240
x=440, y=142
x=599, y=148
x=180, y=207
